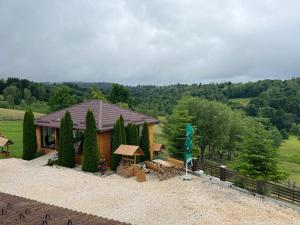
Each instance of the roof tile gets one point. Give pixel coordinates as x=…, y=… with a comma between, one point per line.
x=105, y=114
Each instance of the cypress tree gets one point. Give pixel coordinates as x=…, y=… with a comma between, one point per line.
x=29, y=136
x=145, y=142
x=136, y=134
x=132, y=134
x=123, y=132
x=118, y=138
x=60, y=139
x=90, y=151
x=67, y=147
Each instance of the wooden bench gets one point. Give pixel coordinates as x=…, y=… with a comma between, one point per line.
x=178, y=164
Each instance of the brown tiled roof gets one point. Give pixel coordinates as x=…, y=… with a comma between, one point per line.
x=129, y=150
x=157, y=147
x=105, y=114
x=21, y=211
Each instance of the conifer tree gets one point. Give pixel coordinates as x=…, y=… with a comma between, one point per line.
x=29, y=136
x=258, y=159
x=123, y=132
x=118, y=138
x=132, y=134
x=67, y=147
x=174, y=128
x=60, y=138
x=145, y=142
x=90, y=151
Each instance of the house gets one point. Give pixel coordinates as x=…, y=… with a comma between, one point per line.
x=106, y=114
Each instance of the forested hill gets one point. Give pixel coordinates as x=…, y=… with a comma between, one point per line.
x=274, y=101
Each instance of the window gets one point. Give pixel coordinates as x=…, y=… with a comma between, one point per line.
x=78, y=138
x=48, y=138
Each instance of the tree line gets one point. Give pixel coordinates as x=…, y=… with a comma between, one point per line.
x=274, y=102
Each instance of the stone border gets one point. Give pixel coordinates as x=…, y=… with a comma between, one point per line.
x=228, y=184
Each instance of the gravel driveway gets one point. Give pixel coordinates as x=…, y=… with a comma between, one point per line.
x=168, y=202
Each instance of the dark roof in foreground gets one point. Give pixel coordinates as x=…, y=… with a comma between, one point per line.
x=105, y=114
x=17, y=210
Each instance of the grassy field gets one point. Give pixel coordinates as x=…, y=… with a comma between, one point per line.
x=11, y=127
x=14, y=131
x=242, y=101
x=12, y=114
x=289, y=155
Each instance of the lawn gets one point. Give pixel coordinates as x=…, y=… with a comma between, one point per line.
x=289, y=155
x=11, y=127
x=242, y=101
x=159, y=137
x=14, y=131
x=12, y=114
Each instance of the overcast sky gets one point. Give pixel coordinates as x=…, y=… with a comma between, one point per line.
x=149, y=41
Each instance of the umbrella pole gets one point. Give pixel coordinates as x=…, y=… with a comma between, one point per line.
x=186, y=176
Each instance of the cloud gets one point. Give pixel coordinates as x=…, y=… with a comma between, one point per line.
x=149, y=42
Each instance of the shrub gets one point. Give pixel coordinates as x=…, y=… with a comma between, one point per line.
x=4, y=104
x=284, y=134
x=240, y=182
x=38, y=154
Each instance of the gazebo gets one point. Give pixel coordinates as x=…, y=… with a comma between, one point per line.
x=4, y=142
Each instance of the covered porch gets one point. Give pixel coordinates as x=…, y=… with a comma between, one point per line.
x=48, y=141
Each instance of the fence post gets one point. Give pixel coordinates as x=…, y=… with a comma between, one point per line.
x=223, y=173
x=294, y=191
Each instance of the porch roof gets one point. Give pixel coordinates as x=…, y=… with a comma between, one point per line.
x=105, y=114
x=157, y=147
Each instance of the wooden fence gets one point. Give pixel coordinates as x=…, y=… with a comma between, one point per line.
x=285, y=192
x=290, y=193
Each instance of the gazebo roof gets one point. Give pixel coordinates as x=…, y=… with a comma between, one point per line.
x=4, y=141
x=129, y=150
x=157, y=147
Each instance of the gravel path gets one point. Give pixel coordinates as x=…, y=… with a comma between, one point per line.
x=153, y=202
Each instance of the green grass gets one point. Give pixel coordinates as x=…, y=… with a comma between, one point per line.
x=159, y=137
x=14, y=131
x=242, y=101
x=289, y=155
x=12, y=114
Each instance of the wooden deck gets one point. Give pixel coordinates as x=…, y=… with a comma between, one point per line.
x=16, y=210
